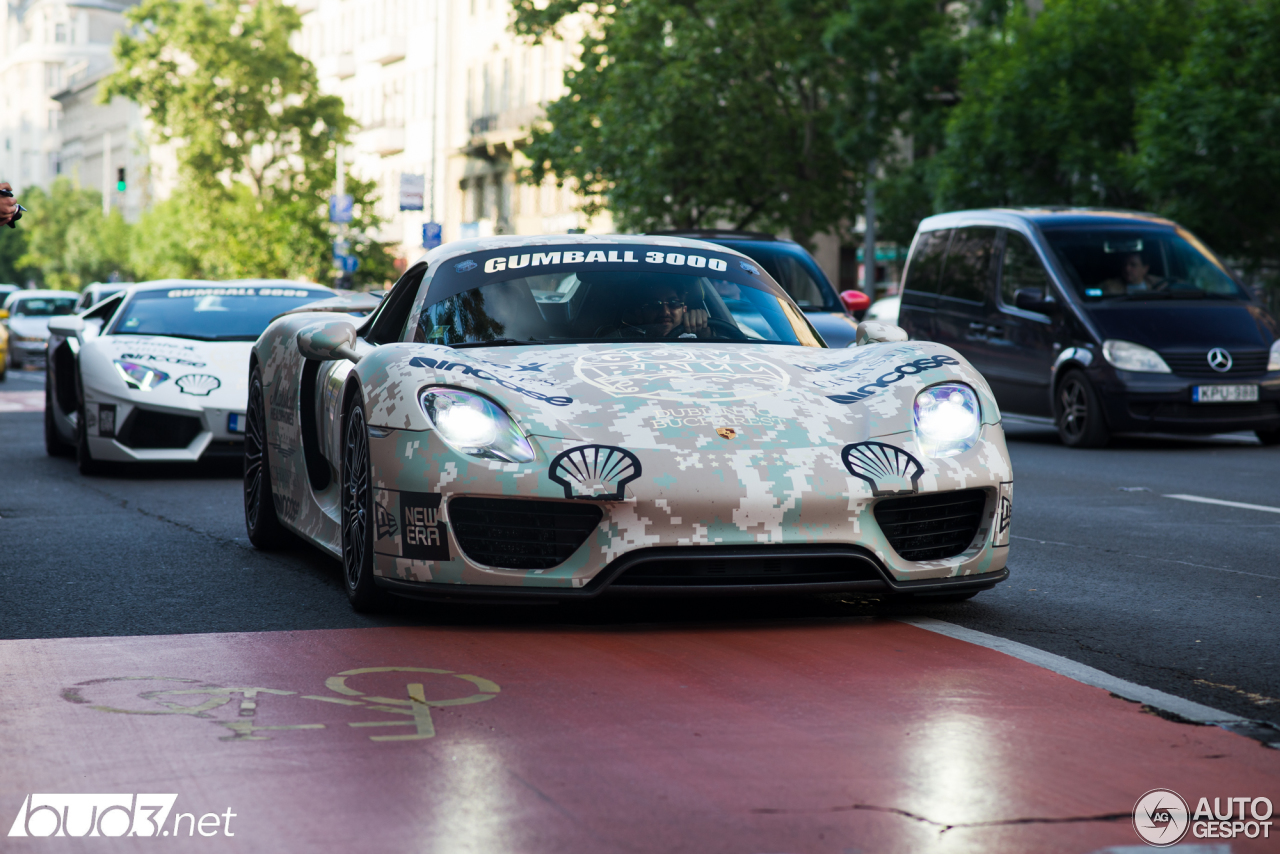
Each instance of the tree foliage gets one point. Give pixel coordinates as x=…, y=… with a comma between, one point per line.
x=747, y=112
x=1047, y=114
x=255, y=137
x=1208, y=127
x=69, y=243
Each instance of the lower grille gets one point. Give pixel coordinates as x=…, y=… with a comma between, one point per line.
x=145, y=429
x=1196, y=363
x=932, y=527
x=223, y=449
x=519, y=534
x=747, y=569
x=1204, y=411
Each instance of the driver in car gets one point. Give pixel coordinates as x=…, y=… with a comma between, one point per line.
x=663, y=312
x=1135, y=276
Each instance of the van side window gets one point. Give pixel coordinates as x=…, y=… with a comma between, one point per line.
x=1020, y=269
x=967, y=273
x=926, y=262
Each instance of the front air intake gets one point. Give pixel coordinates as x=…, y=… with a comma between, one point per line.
x=932, y=527
x=519, y=534
x=146, y=429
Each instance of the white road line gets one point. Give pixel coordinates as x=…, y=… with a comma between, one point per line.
x=1080, y=672
x=1202, y=500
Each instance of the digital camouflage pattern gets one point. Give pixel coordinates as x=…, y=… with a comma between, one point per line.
x=727, y=443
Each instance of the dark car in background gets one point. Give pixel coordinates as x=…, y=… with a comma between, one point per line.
x=1108, y=321
x=833, y=314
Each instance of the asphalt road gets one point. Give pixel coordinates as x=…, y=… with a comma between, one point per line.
x=1106, y=568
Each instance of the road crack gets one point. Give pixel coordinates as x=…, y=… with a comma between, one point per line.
x=943, y=827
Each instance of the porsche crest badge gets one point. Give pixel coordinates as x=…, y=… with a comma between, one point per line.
x=726, y=432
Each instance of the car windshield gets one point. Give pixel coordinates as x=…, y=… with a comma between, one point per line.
x=802, y=282
x=1141, y=265
x=43, y=306
x=725, y=298
x=209, y=314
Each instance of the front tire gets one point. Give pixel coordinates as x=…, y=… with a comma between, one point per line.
x=260, y=519
x=357, y=503
x=54, y=444
x=1079, y=413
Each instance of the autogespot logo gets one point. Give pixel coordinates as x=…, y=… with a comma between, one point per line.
x=1160, y=818
x=112, y=816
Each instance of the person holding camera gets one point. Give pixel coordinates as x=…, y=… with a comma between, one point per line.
x=9, y=208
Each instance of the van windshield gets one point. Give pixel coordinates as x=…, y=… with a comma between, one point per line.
x=1141, y=265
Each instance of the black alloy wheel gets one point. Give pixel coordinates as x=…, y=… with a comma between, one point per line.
x=357, y=501
x=54, y=444
x=1079, y=413
x=84, y=457
x=260, y=520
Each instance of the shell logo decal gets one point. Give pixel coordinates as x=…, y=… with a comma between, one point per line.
x=199, y=384
x=595, y=472
x=888, y=469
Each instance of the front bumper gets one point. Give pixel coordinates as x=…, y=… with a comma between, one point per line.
x=123, y=431
x=1162, y=403
x=759, y=508
x=26, y=352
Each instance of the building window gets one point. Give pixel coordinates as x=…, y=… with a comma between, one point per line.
x=54, y=119
x=60, y=33
x=55, y=163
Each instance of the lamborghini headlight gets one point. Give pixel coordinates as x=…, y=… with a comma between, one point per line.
x=475, y=425
x=947, y=419
x=140, y=376
x=1128, y=356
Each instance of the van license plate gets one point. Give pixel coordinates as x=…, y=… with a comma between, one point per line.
x=1224, y=393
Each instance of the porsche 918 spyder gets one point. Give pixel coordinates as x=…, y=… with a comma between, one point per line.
x=563, y=416
x=158, y=371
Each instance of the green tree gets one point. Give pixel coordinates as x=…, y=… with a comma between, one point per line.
x=1048, y=108
x=69, y=243
x=1207, y=131
x=688, y=114
x=257, y=138
x=13, y=245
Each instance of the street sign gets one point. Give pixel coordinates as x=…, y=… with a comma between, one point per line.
x=340, y=207
x=430, y=235
x=413, y=188
x=347, y=263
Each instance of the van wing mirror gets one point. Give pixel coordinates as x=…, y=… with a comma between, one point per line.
x=1032, y=299
x=66, y=325
x=332, y=339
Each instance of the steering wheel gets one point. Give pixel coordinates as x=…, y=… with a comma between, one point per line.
x=734, y=333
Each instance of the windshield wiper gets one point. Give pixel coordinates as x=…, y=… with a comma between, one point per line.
x=498, y=342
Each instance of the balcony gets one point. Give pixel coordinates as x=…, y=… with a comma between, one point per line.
x=304, y=6
x=382, y=140
x=383, y=49
x=341, y=65
x=497, y=135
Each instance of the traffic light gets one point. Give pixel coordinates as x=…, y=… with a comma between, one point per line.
x=120, y=180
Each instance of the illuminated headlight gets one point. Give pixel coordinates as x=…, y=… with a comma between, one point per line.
x=948, y=419
x=1128, y=356
x=1273, y=363
x=140, y=376
x=475, y=425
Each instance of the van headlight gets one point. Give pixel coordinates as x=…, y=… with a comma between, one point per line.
x=474, y=425
x=1273, y=362
x=1128, y=356
x=947, y=419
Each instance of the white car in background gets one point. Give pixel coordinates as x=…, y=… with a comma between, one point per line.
x=885, y=310
x=28, y=322
x=159, y=372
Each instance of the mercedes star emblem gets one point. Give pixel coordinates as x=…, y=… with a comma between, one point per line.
x=1219, y=360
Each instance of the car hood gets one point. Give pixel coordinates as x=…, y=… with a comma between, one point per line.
x=836, y=328
x=678, y=398
x=30, y=327
x=1189, y=323
x=201, y=373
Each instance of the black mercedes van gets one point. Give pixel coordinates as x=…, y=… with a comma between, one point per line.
x=1107, y=321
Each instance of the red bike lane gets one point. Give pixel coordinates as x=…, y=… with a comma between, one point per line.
x=855, y=736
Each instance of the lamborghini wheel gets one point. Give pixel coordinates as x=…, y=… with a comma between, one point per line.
x=265, y=530
x=357, y=499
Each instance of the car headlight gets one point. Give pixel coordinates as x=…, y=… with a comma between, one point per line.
x=1128, y=356
x=948, y=419
x=1273, y=363
x=475, y=425
x=140, y=376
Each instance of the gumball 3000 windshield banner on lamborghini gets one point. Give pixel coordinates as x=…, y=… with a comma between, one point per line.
x=563, y=416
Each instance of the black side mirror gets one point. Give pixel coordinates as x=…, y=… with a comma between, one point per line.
x=1033, y=299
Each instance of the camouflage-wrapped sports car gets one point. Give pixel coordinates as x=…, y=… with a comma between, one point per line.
x=569, y=415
